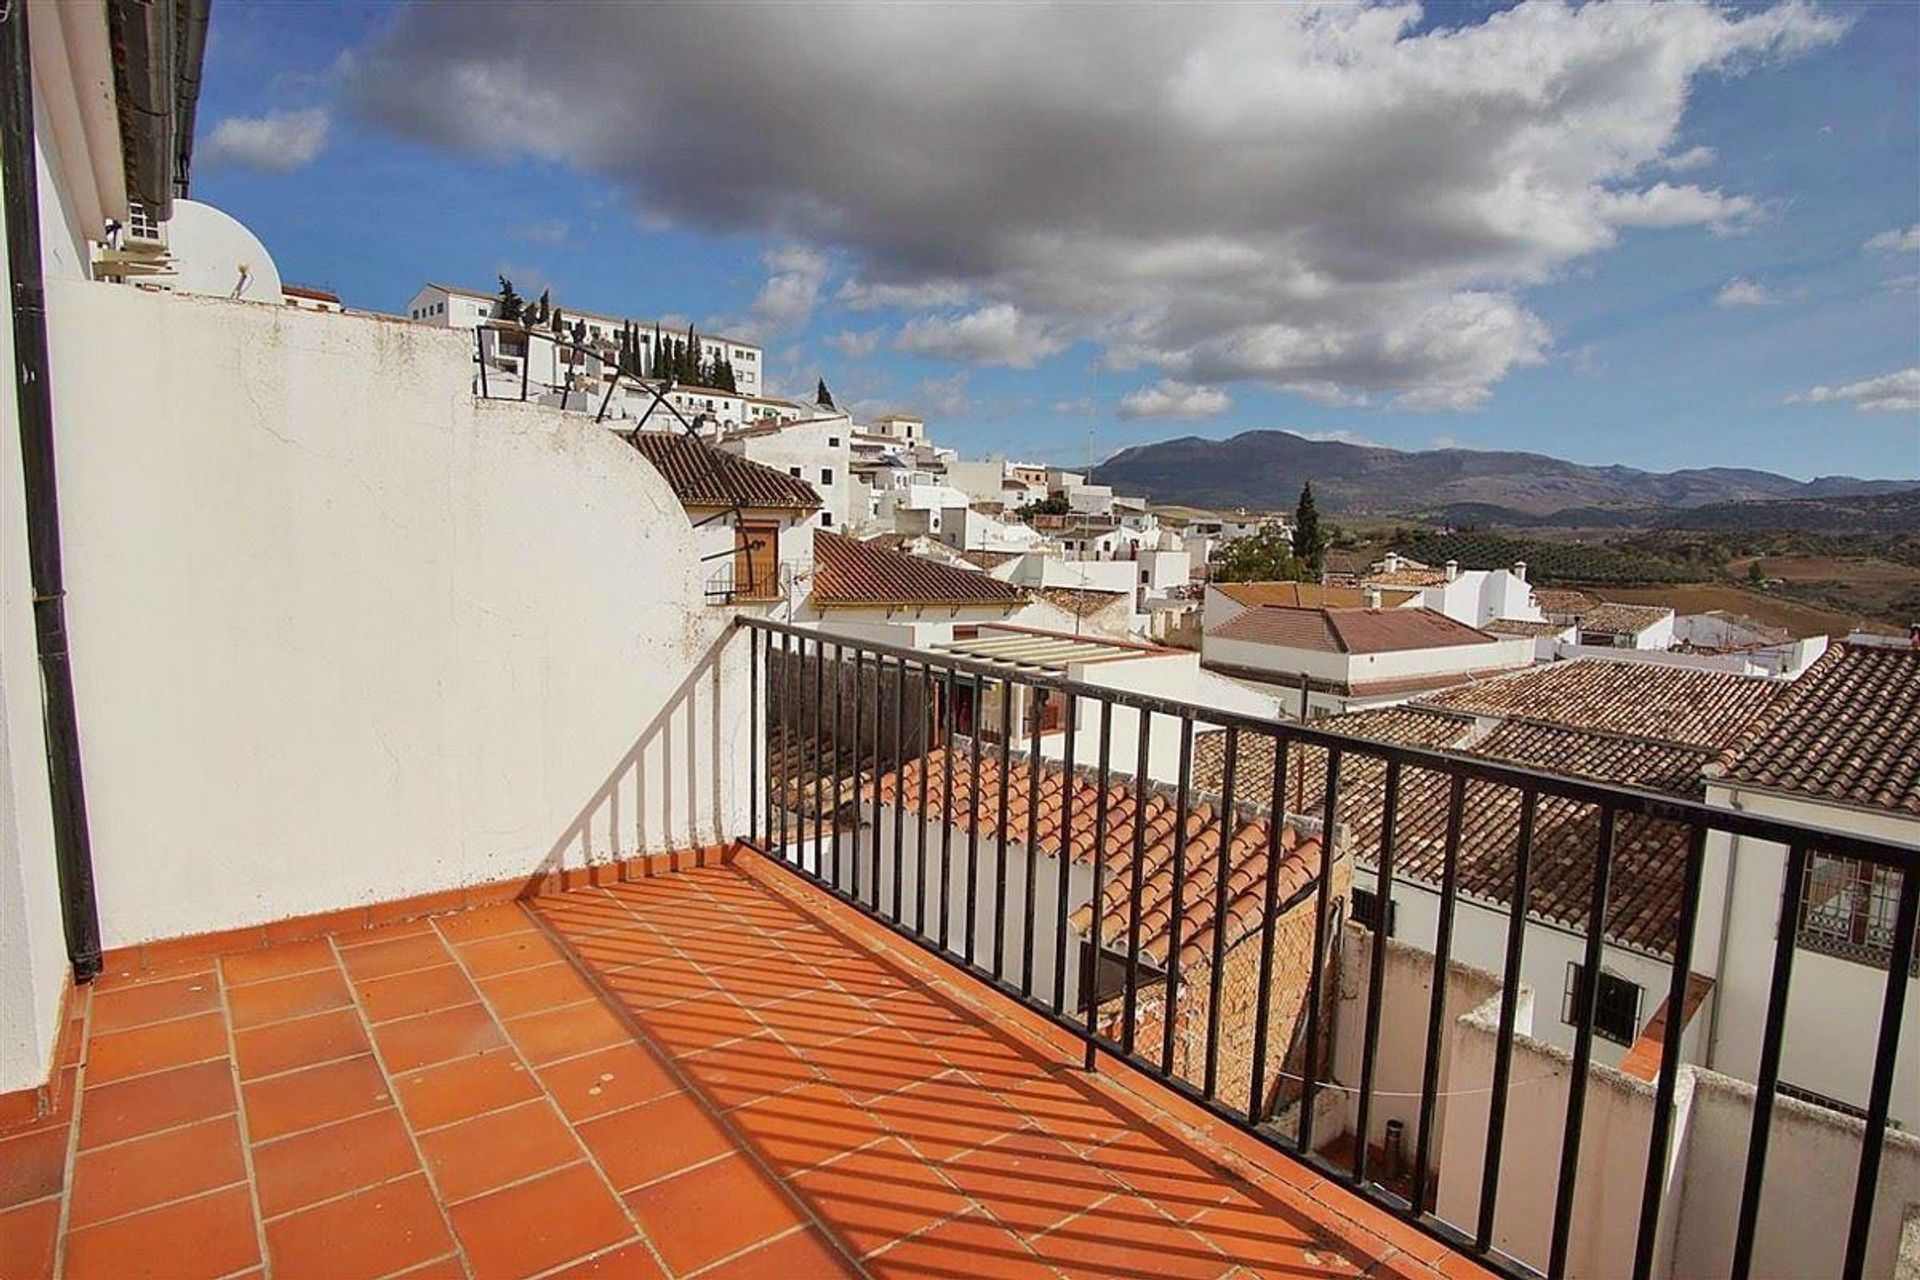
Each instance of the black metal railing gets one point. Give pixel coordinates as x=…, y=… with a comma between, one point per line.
x=851, y=735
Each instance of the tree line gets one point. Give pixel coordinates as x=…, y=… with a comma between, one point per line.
x=668, y=358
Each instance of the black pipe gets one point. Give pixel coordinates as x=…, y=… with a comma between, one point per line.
x=73, y=852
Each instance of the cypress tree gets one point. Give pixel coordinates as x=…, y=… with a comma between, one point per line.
x=1309, y=539
x=509, y=304
x=822, y=396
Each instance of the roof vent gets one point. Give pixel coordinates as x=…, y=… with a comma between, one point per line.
x=1453, y=570
x=1373, y=597
x=1520, y=570
x=1392, y=563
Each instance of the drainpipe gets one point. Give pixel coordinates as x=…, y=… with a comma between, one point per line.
x=73, y=854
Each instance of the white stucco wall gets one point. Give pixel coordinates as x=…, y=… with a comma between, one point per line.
x=343, y=635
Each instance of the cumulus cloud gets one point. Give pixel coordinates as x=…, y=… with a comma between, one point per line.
x=1690, y=159
x=1897, y=240
x=996, y=334
x=1742, y=292
x=1897, y=392
x=1170, y=399
x=795, y=274
x=278, y=142
x=856, y=345
x=1317, y=196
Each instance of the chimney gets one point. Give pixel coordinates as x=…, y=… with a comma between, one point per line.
x=1392, y=563
x=1520, y=570
x=1373, y=597
x=1453, y=570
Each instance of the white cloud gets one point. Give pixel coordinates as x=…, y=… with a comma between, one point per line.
x=795, y=274
x=997, y=334
x=1309, y=196
x=278, y=142
x=856, y=345
x=1178, y=401
x=1689, y=160
x=1742, y=292
x=942, y=397
x=550, y=231
x=1896, y=241
x=1897, y=392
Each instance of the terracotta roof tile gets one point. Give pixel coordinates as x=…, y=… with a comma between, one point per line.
x=1622, y=619
x=1670, y=704
x=1563, y=602
x=1305, y=595
x=1332, y=630
x=703, y=476
x=1847, y=730
x=1406, y=578
x=978, y=798
x=850, y=572
x=1081, y=603
x=1524, y=627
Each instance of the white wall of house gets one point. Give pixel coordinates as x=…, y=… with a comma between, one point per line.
x=1175, y=675
x=1286, y=665
x=980, y=480
x=1738, y=664
x=1478, y=596
x=343, y=635
x=817, y=452
x=1655, y=635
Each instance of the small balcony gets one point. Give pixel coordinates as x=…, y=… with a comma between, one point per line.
x=706, y=1069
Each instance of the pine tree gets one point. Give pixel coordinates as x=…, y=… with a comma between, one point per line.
x=509, y=304
x=822, y=396
x=1309, y=539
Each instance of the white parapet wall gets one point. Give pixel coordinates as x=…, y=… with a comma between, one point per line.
x=342, y=634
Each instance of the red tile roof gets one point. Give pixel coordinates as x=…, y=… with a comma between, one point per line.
x=979, y=800
x=1331, y=630
x=1848, y=730
x=1078, y=601
x=1622, y=619
x=1669, y=704
x=847, y=571
x=703, y=476
x=1562, y=602
x=1525, y=627
x=1306, y=595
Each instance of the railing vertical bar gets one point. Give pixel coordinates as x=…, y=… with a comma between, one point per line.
x=1276, y=823
x=1669, y=1079
x=1768, y=1078
x=1317, y=968
x=879, y=705
x=1223, y=872
x=899, y=787
x=1065, y=884
x=1182, y=797
x=923, y=720
x=1096, y=905
x=839, y=696
x=1582, y=1050
x=1437, y=1001
x=1509, y=1013
x=1030, y=865
x=946, y=808
x=755, y=747
x=1000, y=830
x=1376, y=972
x=973, y=822
x=1885, y=1061
x=819, y=752
x=859, y=724
x=787, y=680
x=1128, y=1011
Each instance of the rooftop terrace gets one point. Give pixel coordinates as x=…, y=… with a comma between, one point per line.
x=714, y=1071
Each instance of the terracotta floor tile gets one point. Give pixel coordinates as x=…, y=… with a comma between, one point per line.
x=212, y=1235
x=693, y=1025
x=546, y=986
x=491, y=1150
x=633, y=1261
x=282, y=961
x=583, y=913
x=291, y=997
x=317, y=1165
x=654, y=1139
x=946, y=1115
x=437, y=1037
x=607, y=952
x=757, y=985
x=876, y=1062
x=32, y=1165
x=28, y=1236
x=1125, y=1238
x=1067, y=1107
x=1174, y=1177
x=804, y=1127
x=817, y=1018
x=374, y=1233
x=506, y=953
x=155, y=1002
x=970, y=1247
x=878, y=1194
x=406, y=950
x=565, y=1032
x=311, y=1097
x=453, y=1091
x=483, y=922
x=525, y=1229
x=711, y=1212
x=744, y=1070
x=447, y=1268
x=607, y=1080
x=406, y=995
x=114, y=1112
x=300, y=1042
x=156, y=1048
x=128, y=1176
x=798, y=1253
x=1030, y=1182
x=1271, y=1241
x=654, y=986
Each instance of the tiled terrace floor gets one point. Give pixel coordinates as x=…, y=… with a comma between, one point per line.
x=763, y=1085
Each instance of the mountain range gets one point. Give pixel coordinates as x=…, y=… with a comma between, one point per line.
x=1263, y=470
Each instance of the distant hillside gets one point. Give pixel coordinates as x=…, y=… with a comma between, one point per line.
x=1872, y=513
x=1265, y=469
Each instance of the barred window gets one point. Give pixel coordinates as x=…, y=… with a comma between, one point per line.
x=1847, y=909
x=1366, y=910
x=1616, y=1011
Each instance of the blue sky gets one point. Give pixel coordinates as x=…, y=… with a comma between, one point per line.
x=1679, y=271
